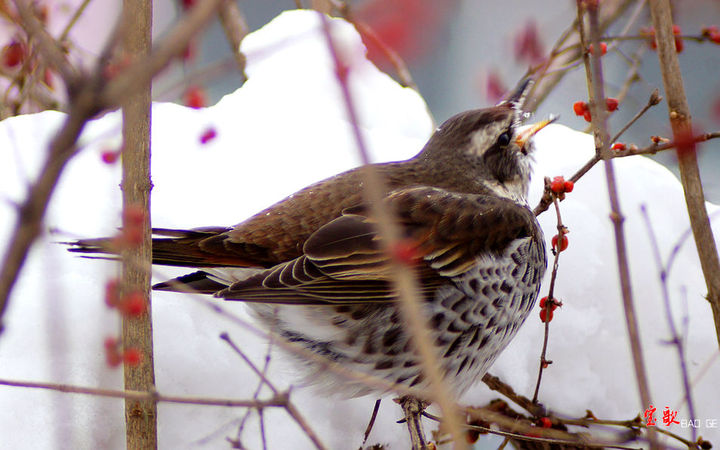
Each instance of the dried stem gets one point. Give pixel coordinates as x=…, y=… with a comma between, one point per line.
x=676, y=339
x=687, y=158
x=140, y=417
x=496, y=384
x=602, y=143
x=236, y=28
x=88, y=97
x=150, y=396
x=550, y=303
x=405, y=280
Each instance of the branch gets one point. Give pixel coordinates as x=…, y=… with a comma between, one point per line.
x=275, y=401
x=236, y=29
x=687, y=158
x=89, y=96
x=599, y=122
x=137, y=332
x=404, y=278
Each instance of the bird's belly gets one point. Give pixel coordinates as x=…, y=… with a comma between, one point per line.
x=473, y=317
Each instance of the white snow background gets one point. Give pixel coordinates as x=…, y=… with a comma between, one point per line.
x=285, y=128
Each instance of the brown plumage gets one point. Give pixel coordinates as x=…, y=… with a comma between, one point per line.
x=312, y=267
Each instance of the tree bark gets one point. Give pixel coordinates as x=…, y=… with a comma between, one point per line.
x=140, y=416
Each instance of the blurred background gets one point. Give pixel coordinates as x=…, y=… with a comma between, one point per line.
x=462, y=54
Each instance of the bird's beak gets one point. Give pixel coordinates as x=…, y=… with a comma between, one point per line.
x=525, y=135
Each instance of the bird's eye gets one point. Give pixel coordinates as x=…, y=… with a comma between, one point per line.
x=503, y=140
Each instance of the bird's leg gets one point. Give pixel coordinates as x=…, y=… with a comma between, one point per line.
x=413, y=408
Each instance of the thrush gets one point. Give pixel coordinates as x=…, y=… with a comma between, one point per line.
x=312, y=267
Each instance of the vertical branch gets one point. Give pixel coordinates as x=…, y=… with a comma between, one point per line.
x=602, y=142
x=404, y=278
x=140, y=416
x=687, y=158
x=236, y=28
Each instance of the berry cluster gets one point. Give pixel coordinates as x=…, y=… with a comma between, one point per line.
x=547, y=306
x=132, y=304
x=711, y=33
x=652, y=42
x=603, y=49
x=115, y=356
x=559, y=186
x=581, y=108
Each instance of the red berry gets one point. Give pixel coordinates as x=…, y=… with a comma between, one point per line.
x=405, y=252
x=48, y=78
x=195, y=97
x=611, y=104
x=187, y=4
x=569, y=186
x=707, y=31
x=579, y=108
x=208, y=135
x=133, y=304
x=111, y=292
x=618, y=146
x=528, y=46
x=134, y=215
x=679, y=44
x=676, y=29
x=563, y=243
x=587, y=116
x=603, y=49
x=112, y=356
x=110, y=342
x=558, y=185
x=13, y=54
x=494, y=87
x=545, y=315
x=715, y=37
x=189, y=52
x=545, y=422
x=132, y=356
x=553, y=303
x=109, y=156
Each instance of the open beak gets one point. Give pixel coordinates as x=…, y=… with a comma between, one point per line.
x=525, y=135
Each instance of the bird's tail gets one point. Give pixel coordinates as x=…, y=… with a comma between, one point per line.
x=181, y=248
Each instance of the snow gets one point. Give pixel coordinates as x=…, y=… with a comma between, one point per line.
x=285, y=128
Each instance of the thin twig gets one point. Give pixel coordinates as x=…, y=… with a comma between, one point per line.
x=550, y=302
x=676, y=340
x=88, y=98
x=599, y=121
x=52, y=52
x=226, y=337
x=654, y=99
x=405, y=280
x=292, y=411
x=521, y=430
x=73, y=20
x=496, y=384
x=235, y=26
x=276, y=401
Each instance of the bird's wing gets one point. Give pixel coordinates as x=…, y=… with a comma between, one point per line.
x=344, y=261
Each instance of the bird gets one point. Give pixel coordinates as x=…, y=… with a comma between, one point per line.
x=312, y=267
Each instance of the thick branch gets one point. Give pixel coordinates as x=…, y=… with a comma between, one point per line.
x=687, y=158
x=140, y=417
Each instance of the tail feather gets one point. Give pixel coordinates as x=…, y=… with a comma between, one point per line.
x=196, y=282
x=181, y=248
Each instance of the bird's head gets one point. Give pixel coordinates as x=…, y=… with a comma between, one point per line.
x=491, y=145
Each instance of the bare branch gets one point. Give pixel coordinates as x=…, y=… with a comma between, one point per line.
x=687, y=158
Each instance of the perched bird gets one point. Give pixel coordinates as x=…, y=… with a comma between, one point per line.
x=312, y=269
